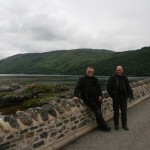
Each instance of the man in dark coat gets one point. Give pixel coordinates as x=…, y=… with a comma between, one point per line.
x=89, y=90
x=119, y=90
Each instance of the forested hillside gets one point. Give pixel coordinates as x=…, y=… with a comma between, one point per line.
x=135, y=62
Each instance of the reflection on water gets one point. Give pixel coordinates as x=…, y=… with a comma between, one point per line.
x=6, y=79
x=47, y=79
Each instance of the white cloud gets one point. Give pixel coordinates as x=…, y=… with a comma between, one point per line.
x=45, y=25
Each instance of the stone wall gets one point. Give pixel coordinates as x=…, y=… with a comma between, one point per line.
x=52, y=126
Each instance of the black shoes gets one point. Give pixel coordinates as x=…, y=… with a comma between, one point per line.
x=116, y=127
x=105, y=129
x=125, y=127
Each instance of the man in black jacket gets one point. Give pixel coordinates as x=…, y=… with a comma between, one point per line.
x=89, y=90
x=119, y=90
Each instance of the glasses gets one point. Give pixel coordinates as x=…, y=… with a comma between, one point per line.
x=90, y=71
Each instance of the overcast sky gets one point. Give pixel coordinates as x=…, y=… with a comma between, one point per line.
x=28, y=26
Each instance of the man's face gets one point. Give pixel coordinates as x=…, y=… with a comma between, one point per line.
x=89, y=72
x=119, y=71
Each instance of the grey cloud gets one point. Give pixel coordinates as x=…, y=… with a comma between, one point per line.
x=38, y=26
x=45, y=28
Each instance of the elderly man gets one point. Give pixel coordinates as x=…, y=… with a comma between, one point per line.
x=89, y=90
x=119, y=89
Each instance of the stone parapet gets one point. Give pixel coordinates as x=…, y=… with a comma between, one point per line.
x=54, y=125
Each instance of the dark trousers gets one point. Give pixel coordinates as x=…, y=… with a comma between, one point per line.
x=120, y=102
x=96, y=107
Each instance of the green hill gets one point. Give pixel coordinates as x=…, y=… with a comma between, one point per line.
x=55, y=62
x=135, y=62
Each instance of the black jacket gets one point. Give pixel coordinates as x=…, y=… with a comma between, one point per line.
x=88, y=87
x=112, y=87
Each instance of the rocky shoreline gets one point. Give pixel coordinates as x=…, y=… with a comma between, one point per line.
x=30, y=95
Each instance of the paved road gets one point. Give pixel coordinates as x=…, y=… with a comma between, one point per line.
x=137, y=138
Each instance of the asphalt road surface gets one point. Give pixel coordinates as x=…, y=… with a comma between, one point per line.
x=137, y=138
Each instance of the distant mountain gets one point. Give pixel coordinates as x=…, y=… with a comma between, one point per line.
x=75, y=61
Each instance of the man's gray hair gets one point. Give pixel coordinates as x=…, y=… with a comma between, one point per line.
x=90, y=67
